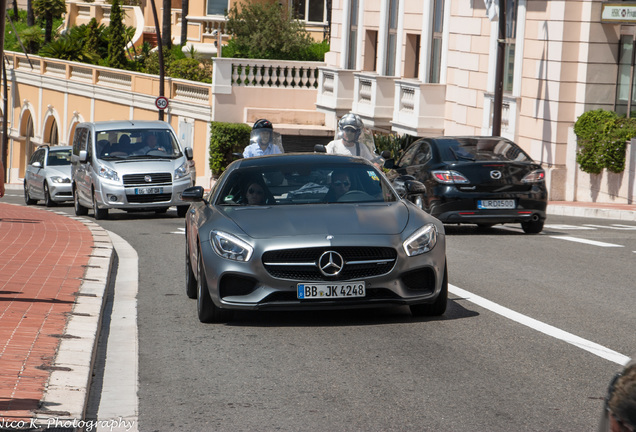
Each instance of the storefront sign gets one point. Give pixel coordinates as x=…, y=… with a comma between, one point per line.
x=618, y=13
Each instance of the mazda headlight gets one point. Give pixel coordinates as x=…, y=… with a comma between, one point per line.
x=107, y=173
x=60, y=179
x=421, y=241
x=182, y=171
x=230, y=247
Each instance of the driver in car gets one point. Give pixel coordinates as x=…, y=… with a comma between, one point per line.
x=340, y=185
x=150, y=144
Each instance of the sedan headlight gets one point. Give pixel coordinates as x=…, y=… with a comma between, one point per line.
x=182, y=171
x=421, y=241
x=230, y=247
x=107, y=173
x=60, y=179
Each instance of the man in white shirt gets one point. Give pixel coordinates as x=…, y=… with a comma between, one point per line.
x=350, y=128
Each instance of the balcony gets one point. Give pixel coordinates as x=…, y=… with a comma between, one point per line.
x=373, y=99
x=335, y=92
x=419, y=108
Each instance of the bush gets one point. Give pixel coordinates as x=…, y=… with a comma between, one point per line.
x=191, y=69
x=266, y=32
x=394, y=143
x=602, y=138
x=225, y=139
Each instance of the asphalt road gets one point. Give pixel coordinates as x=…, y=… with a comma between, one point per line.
x=474, y=369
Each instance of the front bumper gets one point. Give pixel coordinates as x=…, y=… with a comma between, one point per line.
x=249, y=286
x=61, y=192
x=118, y=196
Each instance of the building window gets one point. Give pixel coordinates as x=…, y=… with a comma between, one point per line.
x=624, y=97
x=353, y=35
x=436, y=48
x=511, y=40
x=217, y=7
x=391, y=51
x=309, y=10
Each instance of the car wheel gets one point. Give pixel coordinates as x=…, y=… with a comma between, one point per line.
x=27, y=198
x=99, y=213
x=436, y=308
x=191, y=281
x=48, y=201
x=80, y=210
x=182, y=210
x=532, y=227
x=208, y=312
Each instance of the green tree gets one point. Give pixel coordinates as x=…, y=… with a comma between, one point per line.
x=92, y=43
x=68, y=47
x=267, y=32
x=32, y=38
x=48, y=10
x=117, y=40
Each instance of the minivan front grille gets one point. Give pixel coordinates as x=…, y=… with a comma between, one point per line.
x=142, y=199
x=147, y=179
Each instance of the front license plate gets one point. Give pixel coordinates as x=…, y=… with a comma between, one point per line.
x=329, y=291
x=495, y=204
x=148, y=190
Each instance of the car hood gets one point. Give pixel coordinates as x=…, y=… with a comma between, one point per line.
x=335, y=219
x=144, y=165
x=62, y=171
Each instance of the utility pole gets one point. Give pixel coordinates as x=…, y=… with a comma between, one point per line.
x=5, y=138
x=160, y=49
x=501, y=56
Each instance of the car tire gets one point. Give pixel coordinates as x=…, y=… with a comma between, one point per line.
x=191, y=280
x=436, y=308
x=208, y=312
x=98, y=212
x=532, y=227
x=80, y=210
x=182, y=210
x=48, y=201
x=27, y=198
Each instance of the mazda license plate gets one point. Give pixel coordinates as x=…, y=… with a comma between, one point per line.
x=313, y=291
x=148, y=190
x=496, y=204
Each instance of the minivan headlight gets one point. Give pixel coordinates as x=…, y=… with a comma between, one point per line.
x=107, y=173
x=421, y=241
x=182, y=171
x=230, y=247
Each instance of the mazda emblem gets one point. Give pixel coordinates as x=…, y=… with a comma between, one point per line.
x=148, y=179
x=494, y=174
x=330, y=263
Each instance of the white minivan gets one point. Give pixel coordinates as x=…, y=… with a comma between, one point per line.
x=129, y=165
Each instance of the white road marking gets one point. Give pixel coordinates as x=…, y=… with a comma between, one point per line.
x=586, y=241
x=613, y=226
x=544, y=328
x=568, y=227
x=179, y=231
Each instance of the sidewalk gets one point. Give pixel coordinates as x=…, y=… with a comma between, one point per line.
x=54, y=271
x=53, y=274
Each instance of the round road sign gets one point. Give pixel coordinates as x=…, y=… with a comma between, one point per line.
x=161, y=102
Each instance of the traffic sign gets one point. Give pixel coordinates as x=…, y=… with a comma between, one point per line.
x=161, y=102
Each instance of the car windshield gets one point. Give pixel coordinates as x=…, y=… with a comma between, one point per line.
x=137, y=144
x=59, y=157
x=306, y=184
x=481, y=149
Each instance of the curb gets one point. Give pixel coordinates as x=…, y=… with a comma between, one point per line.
x=588, y=212
x=66, y=394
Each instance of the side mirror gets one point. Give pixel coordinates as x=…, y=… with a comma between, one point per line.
x=193, y=194
x=414, y=187
x=189, y=154
x=83, y=156
x=319, y=148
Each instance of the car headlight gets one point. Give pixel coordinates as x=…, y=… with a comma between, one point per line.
x=59, y=179
x=182, y=171
x=230, y=247
x=107, y=173
x=421, y=241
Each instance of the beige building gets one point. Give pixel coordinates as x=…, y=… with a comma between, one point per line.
x=423, y=67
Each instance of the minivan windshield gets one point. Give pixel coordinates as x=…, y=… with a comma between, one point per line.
x=137, y=144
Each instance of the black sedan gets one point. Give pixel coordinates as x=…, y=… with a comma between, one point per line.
x=310, y=231
x=473, y=180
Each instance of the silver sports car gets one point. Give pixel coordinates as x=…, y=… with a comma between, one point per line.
x=310, y=231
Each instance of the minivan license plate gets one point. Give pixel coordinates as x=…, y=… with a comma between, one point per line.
x=148, y=191
x=330, y=291
x=495, y=204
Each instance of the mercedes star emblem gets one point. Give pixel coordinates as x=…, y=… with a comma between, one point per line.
x=330, y=263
